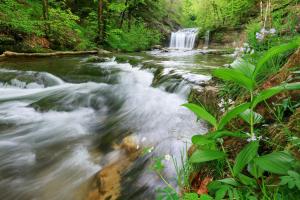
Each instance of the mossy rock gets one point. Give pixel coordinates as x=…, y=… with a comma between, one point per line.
x=127, y=59
x=97, y=59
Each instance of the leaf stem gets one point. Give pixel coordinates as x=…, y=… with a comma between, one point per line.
x=227, y=161
x=251, y=118
x=166, y=182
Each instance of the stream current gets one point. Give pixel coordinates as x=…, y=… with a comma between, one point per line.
x=60, y=117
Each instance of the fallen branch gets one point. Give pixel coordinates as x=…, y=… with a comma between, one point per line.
x=58, y=53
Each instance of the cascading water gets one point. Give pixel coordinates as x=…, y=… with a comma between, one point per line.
x=184, y=39
x=59, y=119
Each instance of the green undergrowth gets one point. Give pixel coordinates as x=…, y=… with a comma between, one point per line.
x=237, y=159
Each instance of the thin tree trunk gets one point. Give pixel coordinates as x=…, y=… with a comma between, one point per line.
x=100, y=22
x=46, y=16
x=123, y=14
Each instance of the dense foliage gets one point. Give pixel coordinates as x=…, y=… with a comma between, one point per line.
x=127, y=25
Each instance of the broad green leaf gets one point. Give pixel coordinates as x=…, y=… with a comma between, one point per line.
x=265, y=94
x=235, y=76
x=206, y=197
x=276, y=162
x=274, y=52
x=292, y=86
x=247, y=180
x=190, y=196
x=201, y=113
x=220, y=134
x=214, y=186
x=284, y=180
x=220, y=194
x=245, y=67
x=229, y=181
x=200, y=156
x=246, y=116
x=232, y=114
x=201, y=140
x=245, y=156
x=254, y=170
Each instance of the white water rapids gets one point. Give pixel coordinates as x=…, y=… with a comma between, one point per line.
x=60, y=118
x=51, y=129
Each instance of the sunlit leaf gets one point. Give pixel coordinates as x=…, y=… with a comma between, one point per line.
x=201, y=140
x=206, y=155
x=246, y=116
x=245, y=67
x=274, y=52
x=232, y=114
x=235, y=76
x=201, y=113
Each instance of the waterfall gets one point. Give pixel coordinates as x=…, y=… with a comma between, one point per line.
x=184, y=38
x=206, y=41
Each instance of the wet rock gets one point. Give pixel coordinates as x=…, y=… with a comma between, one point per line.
x=107, y=182
x=127, y=59
x=157, y=47
x=165, y=50
x=97, y=59
x=103, y=52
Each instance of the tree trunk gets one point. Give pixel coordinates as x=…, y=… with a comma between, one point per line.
x=123, y=14
x=46, y=17
x=100, y=22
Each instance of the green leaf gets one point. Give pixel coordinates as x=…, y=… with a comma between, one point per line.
x=245, y=67
x=265, y=94
x=206, y=197
x=276, y=162
x=229, y=181
x=220, y=194
x=232, y=114
x=274, y=52
x=201, y=113
x=234, y=76
x=254, y=170
x=285, y=180
x=201, y=140
x=292, y=86
x=200, y=156
x=246, y=116
x=245, y=156
x=220, y=134
x=190, y=196
x=247, y=180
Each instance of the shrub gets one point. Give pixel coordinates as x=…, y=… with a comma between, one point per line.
x=136, y=39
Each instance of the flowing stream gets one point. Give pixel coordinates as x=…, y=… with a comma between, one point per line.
x=60, y=117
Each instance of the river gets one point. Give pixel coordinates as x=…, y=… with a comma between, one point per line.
x=61, y=116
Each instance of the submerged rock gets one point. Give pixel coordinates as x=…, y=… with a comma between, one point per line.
x=97, y=59
x=107, y=182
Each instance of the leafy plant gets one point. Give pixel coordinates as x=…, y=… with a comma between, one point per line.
x=244, y=74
